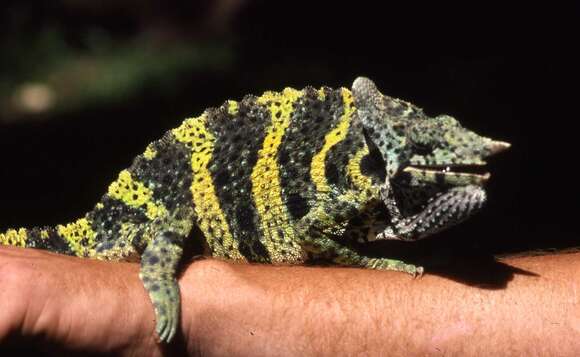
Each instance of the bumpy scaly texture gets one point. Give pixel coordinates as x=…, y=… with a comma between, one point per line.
x=281, y=178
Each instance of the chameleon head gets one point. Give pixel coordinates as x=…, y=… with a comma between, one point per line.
x=428, y=148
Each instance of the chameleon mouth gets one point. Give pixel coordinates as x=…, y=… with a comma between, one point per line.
x=450, y=174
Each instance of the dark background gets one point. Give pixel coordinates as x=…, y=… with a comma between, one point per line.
x=121, y=74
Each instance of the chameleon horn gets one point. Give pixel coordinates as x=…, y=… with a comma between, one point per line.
x=497, y=146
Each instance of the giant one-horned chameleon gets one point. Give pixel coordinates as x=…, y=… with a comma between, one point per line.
x=281, y=178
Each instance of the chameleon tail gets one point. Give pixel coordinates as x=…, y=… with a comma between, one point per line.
x=72, y=239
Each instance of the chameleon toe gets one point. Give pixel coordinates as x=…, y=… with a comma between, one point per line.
x=167, y=322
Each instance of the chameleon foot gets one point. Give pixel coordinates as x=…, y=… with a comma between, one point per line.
x=395, y=265
x=164, y=295
x=158, y=271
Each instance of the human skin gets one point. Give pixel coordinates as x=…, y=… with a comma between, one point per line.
x=62, y=303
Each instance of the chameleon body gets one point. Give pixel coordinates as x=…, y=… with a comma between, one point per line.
x=280, y=178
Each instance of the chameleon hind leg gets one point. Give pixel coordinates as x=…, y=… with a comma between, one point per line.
x=320, y=224
x=441, y=212
x=159, y=264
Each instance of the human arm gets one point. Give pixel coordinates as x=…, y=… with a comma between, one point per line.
x=235, y=309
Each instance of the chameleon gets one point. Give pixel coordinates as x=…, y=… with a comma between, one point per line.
x=281, y=178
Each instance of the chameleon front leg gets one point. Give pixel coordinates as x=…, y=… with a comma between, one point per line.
x=316, y=228
x=158, y=273
x=441, y=212
x=344, y=255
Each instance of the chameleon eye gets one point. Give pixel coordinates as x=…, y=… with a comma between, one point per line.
x=421, y=148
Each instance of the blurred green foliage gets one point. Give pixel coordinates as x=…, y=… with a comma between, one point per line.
x=58, y=67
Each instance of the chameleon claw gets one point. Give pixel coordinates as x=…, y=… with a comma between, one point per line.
x=160, y=328
x=166, y=327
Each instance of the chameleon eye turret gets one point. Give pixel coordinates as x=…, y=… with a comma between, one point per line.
x=280, y=178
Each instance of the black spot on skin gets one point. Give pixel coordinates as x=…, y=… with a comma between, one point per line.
x=153, y=259
x=222, y=178
x=245, y=218
x=332, y=174
x=297, y=206
x=154, y=287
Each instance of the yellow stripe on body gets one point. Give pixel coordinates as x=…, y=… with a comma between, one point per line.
x=363, y=184
x=360, y=181
x=333, y=137
x=318, y=169
x=134, y=194
x=13, y=237
x=363, y=191
x=266, y=186
x=193, y=132
x=150, y=152
x=232, y=107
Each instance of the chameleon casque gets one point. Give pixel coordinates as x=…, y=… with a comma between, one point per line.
x=281, y=178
